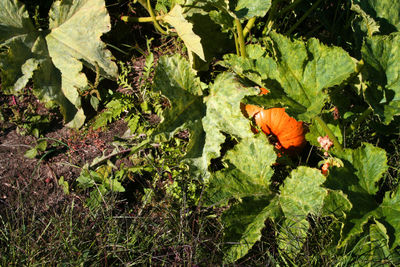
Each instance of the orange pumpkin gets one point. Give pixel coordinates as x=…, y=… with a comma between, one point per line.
x=289, y=132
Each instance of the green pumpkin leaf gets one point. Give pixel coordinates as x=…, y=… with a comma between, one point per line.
x=363, y=168
x=336, y=204
x=54, y=58
x=385, y=12
x=299, y=72
x=15, y=23
x=381, y=55
x=224, y=114
x=177, y=81
x=390, y=213
x=249, y=172
x=243, y=224
x=246, y=9
x=300, y=196
x=185, y=31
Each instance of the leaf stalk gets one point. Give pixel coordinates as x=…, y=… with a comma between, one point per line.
x=311, y=9
x=330, y=134
x=140, y=19
x=360, y=119
x=240, y=36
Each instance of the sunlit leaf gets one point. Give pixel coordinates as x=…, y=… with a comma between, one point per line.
x=298, y=74
x=54, y=58
x=382, y=71
x=185, y=31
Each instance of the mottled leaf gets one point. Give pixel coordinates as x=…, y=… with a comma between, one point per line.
x=185, y=31
x=177, y=81
x=363, y=168
x=243, y=224
x=390, y=215
x=224, y=114
x=15, y=23
x=386, y=12
x=382, y=71
x=249, y=172
x=301, y=71
x=246, y=9
x=54, y=58
x=300, y=196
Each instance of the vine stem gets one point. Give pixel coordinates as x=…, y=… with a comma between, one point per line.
x=131, y=150
x=140, y=19
x=330, y=134
x=272, y=14
x=303, y=17
x=239, y=30
x=360, y=119
x=156, y=25
x=248, y=26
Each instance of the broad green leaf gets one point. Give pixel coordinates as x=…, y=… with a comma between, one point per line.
x=223, y=19
x=381, y=55
x=15, y=23
x=76, y=28
x=246, y=9
x=301, y=71
x=177, y=81
x=363, y=168
x=300, y=196
x=248, y=174
x=315, y=130
x=367, y=164
x=302, y=192
x=185, y=31
x=54, y=58
x=336, y=204
x=385, y=12
x=214, y=42
x=17, y=65
x=375, y=245
x=18, y=34
x=224, y=114
x=390, y=215
x=243, y=223
x=366, y=23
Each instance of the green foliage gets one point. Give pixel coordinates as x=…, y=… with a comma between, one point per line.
x=348, y=195
x=53, y=58
x=244, y=177
x=385, y=12
x=298, y=73
x=381, y=73
x=119, y=105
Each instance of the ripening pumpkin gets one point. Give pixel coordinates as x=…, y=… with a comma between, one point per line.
x=289, y=132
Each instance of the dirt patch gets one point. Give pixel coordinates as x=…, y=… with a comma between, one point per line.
x=33, y=183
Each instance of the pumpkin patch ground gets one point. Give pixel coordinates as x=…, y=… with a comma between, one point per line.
x=199, y=133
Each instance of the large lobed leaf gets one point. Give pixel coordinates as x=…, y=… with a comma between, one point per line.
x=247, y=9
x=357, y=179
x=244, y=222
x=247, y=179
x=300, y=196
x=224, y=114
x=381, y=55
x=385, y=12
x=248, y=174
x=54, y=59
x=185, y=31
x=299, y=72
x=178, y=82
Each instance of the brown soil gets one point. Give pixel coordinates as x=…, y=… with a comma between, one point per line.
x=33, y=183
